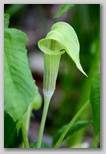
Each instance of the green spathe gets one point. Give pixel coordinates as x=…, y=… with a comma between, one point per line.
x=61, y=38
x=65, y=39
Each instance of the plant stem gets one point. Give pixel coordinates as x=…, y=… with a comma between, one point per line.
x=25, y=128
x=95, y=142
x=45, y=110
x=25, y=135
x=70, y=124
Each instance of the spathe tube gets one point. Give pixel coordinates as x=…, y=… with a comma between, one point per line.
x=65, y=39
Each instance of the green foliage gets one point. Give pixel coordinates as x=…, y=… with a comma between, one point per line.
x=64, y=8
x=73, y=129
x=69, y=125
x=19, y=87
x=11, y=138
x=95, y=102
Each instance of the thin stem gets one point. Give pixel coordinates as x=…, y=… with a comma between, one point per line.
x=25, y=135
x=25, y=127
x=45, y=110
x=95, y=142
x=70, y=124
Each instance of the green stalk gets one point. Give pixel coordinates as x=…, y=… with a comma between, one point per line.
x=25, y=127
x=70, y=124
x=95, y=142
x=25, y=138
x=51, y=65
x=45, y=110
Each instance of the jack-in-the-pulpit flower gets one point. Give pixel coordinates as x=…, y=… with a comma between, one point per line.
x=62, y=38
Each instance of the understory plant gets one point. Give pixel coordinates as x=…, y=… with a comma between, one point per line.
x=62, y=38
x=21, y=93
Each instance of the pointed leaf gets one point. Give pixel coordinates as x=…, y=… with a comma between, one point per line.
x=64, y=8
x=63, y=37
x=75, y=127
x=95, y=102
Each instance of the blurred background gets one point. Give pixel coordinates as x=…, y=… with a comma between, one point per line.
x=72, y=88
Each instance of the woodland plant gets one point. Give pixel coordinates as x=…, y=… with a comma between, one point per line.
x=21, y=93
x=62, y=38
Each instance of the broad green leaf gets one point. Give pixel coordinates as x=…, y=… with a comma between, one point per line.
x=95, y=102
x=61, y=38
x=19, y=87
x=75, y=127
x=20, y=91
x=64, y=8
x=6, y=20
